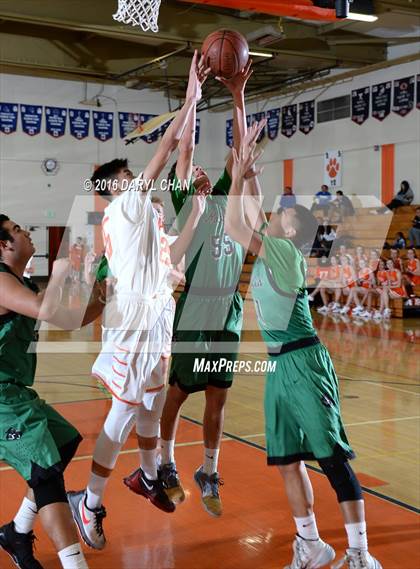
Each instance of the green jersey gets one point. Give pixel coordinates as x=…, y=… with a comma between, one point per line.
x=213, y=260
x=17, y=332
x=103, y=271
x=278, y=289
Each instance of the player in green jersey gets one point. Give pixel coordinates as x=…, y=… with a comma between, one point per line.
x=35, y=440
x=208, y=317
x=302, y=406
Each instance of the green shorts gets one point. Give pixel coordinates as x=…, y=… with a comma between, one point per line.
x=191, y=345
x=32, y=433
x=302, y=408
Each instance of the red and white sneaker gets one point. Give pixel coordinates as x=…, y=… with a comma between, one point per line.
x=89, y=522
x=153, y=490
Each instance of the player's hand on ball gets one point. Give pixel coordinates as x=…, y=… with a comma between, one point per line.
x=194, y=84
x=236, y=84
x=61, y=269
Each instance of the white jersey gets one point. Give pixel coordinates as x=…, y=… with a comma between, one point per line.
x=138, y=318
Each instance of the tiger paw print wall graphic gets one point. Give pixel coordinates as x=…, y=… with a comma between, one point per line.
x=333, y=167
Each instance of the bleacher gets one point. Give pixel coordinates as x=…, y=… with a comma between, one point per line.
x=400, y=221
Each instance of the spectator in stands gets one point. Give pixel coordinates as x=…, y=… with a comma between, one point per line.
x=394, y=289
x=381, y=288
x=328, y=237
x=349, y=282
x=366, y=286
x=411, y=275
x=399, y=241
x=360, y=255
x=404, y=197
x=288, y=199
x=322, y=200
x=396, y=259
x=341, y=206
x=414, y=232
x=374, y=259
x=330, y=284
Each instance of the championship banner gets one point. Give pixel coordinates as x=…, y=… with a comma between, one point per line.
x=128, y=122
x=229, y=133
x=403, y=96
x=256, y=117
x=273, y=123
x=31, y=117
x=333, y=168
x=152, y=136
x=248, y=120
x=8, y=117
x=79, y=123
x=103, y=125
x=156, y=125
x=360, y=99
x=381, y=100
x=289, y=120
x=418, y=92
x=197, y=131
x=306, y=116
x=55, y=119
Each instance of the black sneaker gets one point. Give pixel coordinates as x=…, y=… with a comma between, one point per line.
x=151, y=489
x=168, y=475
x=20, y=546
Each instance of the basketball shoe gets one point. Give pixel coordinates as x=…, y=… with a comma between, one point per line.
x=310, y=554
x=20, y=546
x=89, y=522
x=209, y=487
x=168, y=475
x=153, y=490
x=358, y=559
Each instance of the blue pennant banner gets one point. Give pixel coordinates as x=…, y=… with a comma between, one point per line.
x=229, y=133
x=128, y=122
x=403, y=96
x=144, y=117
x=31, y=117
x=197, y=131
x=103, y=123
x=306, y=116
x=8, y=117
x=289, y=120
x=273, y=123
x=79, y=123
x=360, y=103
x=55, y=118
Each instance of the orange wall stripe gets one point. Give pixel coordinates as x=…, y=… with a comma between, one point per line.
x=387, y=172
x=288, y=173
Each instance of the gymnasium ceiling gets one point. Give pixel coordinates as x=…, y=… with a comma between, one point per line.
x=79, y=40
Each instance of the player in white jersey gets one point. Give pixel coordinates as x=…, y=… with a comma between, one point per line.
x=137, y=321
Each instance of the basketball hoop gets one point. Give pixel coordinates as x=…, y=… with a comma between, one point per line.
x=143, y=13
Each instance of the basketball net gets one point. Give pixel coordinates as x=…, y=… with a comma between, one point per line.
x=143, y=13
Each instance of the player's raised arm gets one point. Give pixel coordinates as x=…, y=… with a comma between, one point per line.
x=236, y=225
x=173, y=135
x=180, y=246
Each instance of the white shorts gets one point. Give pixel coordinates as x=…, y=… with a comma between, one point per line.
x=128, y=364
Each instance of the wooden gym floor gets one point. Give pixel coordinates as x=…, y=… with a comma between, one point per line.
x=378, y=369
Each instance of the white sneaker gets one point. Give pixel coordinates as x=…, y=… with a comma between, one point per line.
x=336, y=307
x=357, y=310
x=344, y=310
x=358, y=559
x=387, y=313
x=310, y=554
x=377, y=315
x=89, y=522
x=322, y=310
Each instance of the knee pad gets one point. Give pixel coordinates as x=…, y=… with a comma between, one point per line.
x=148, y=422
x=120, y=421
x=342, y=478
x=50, y=490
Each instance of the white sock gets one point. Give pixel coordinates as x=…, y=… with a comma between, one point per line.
x=25, y=517
x=72, y=557
x=148, y=463
x=95, y=491
x=357, y=535
x=167, y=451
x=307, y=528
x=211, y=457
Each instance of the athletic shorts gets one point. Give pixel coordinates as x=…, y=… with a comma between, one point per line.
x=32, y=433
x=198, y=355
x=302, y=408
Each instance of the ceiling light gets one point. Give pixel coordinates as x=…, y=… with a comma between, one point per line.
x=362, y=17
x=260, y=54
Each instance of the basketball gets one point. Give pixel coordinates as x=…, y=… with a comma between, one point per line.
x=226, y=53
